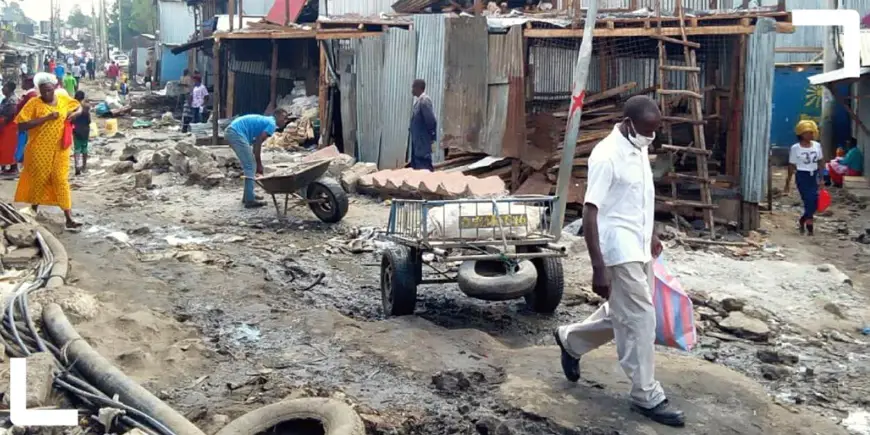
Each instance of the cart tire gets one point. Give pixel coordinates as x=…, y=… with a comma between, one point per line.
x=336, y=205
x=398, y=281
x=550, y=286
x=481, y=280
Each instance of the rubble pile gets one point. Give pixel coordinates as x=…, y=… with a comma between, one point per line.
x=18, y=248
x=198, y=164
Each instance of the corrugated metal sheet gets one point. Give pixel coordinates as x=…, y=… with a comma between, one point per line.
x=257, y=7
x=465, y=93
x=809, y=36
x=400, y=64
x=413, y=6
x=369, y=63
x=365, y=8
x=757, y=104
x=430, y=67
x=863, y=88
x=504, y=126
x=175, y=22
x=347, y=90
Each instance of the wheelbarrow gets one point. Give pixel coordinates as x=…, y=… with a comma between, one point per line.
x=307, y=185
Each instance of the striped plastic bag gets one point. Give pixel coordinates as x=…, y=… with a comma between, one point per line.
x=675, y=316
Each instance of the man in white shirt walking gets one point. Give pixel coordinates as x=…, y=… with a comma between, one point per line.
x=618, y=225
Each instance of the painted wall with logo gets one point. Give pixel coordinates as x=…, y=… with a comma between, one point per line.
x=794, y=99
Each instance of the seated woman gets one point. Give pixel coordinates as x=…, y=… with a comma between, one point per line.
x=852, y=164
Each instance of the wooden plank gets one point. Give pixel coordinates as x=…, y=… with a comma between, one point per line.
x=688, y=177
x=684, y=203
x=664, y=38
x=798, y=49
x=345, y=34
x=610, y=93
x=681, y=120
x=231, y=11
x=273, y=77
x=680, y=68
x=639, y=31
x=323, y=95
x=216, y=50
x=687, y=150
x=681, y=92
x=231, y=93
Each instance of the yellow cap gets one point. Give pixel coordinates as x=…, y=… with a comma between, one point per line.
x=807, y=126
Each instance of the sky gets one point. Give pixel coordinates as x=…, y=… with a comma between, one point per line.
x=38, y=9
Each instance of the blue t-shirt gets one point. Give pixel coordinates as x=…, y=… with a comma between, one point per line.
x=59, y=71
x=252, y=126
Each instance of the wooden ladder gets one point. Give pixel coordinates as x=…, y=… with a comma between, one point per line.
x=698, y=147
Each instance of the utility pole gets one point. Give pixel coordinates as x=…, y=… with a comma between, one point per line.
x=51, y=23
x=120, y=26
x=829, y=104
x=578, y=93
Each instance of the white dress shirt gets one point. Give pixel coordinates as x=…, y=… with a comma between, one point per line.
x=620, y=184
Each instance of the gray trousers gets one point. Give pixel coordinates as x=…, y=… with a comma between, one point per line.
x=629, y=318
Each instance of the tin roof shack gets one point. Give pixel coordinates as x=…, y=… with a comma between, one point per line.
x=501, y=84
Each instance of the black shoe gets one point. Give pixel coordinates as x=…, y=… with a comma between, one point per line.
x=802, y=227
x=570, y=365
x=809, y=229
x=255, y=204
x=662, y=413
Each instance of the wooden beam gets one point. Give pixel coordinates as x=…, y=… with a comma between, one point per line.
x=798, y=49
x=241, y=15
x=322, y=90
x=216, y=113
x=676, y=41
x=325, y=35
x=273, y=77
x=689, y=150
x=295, y=34
x=231, y=12
x=693, y=69
x=609, y=93
x=231, y=93
x=682, y=92
x=639, y=31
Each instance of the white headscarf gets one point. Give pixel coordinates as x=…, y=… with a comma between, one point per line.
x=44, y=78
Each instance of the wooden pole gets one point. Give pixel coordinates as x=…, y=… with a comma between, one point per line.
x=241, y=15
x=323, y=94
x=216, y=113
x=231, y=12
x=273, y=77
x=231, y=93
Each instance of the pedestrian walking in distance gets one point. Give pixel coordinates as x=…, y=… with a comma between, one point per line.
x=805, y=163
x=618, y=225
x=423, y=128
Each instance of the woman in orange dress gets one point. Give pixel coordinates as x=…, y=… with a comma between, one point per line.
x=8, y=130
x=45, y=176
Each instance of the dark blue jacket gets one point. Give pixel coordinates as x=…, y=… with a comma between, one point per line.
x=423, y=128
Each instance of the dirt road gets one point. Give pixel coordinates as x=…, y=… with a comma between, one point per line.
x=209, y=305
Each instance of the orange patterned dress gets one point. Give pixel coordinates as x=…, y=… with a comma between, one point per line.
x=45, y=177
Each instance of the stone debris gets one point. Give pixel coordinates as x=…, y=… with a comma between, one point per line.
x=431, y=185
x=40, y=377
x=21, y=257
x=350, y=177
x=746, y=327
x=21, y=235
x=143, y=180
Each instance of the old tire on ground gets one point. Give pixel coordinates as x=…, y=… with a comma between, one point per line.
x=550, y=285
x=335, y=205
x=398, y=281
x=336, y=417
x=489, y=280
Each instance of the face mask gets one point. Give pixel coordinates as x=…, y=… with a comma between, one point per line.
x=639, y=140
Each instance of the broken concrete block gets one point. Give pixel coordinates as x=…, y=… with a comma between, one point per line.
x=143, y=180
x=339, y=164
x=205, y=173
x=123, y=167
x=144, y=161
x=743, y=326
x=351, y=177
x=40, y=377
x=21, y=235
x=179, y=162
x=21, y=257
x=329, y=152
x=129, y=153
x=189, y=149
x=160, y=159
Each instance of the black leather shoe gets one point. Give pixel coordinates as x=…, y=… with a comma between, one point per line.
x=255, y=204
x=662, y=413
x=570, y=365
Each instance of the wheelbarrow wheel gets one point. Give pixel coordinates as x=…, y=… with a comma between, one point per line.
x=398, y=281
x=329, y=200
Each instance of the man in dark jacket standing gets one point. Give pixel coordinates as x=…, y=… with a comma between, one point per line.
x=423, y=128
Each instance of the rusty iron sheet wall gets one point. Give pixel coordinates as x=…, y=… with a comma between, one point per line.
x=400, y=64
x=504, y=133
x=465, y=93
x=347, y=90
x=369, y=63
x=430, y=30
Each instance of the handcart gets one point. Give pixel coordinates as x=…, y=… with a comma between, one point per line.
x=307, y=185
x=503, y=249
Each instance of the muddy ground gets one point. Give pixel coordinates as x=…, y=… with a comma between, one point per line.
x=221, y=310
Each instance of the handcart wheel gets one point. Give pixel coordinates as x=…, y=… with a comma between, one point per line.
x=547, y=294
x=328, y=201
x=398, y=281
